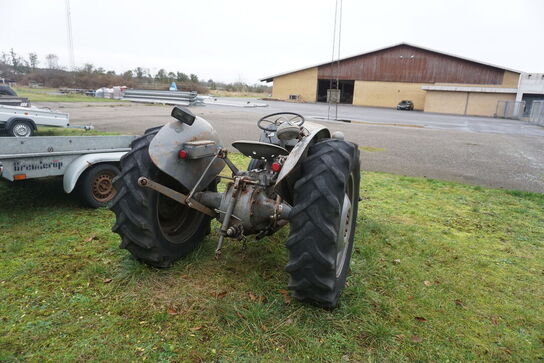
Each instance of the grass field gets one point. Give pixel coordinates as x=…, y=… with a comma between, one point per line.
x=440, y=272
x=45, y=95
x=59, y=131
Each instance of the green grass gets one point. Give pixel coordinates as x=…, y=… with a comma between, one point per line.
x=440, y=272
x=44, y=95
x=59, y=131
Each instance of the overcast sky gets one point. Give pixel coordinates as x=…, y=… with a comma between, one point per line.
x=246, y=40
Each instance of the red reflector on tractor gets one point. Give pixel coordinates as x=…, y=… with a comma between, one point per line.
x=182, y=154
x=276, y=167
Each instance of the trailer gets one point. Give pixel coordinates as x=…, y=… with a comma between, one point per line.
x=21, y=121
x=87, y=164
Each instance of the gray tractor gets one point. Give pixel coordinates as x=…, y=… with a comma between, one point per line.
x=299, y=174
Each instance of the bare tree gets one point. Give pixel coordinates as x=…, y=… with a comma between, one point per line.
x=87, y=68
x=4, y=58
x=182, y=77
x=52, y=61
x=139, y=71
x=33, y=60
x=161, y=75
x=128, y=74
x=13, y=58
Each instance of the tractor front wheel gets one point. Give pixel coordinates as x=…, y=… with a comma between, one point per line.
x=323, y=222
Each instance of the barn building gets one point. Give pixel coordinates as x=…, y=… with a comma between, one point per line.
x=434, y=81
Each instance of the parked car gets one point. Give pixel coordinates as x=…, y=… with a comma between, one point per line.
x=9, y=97
x=7, y=91
x=405, y=105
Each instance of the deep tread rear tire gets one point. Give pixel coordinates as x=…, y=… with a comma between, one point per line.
x=139, y=212
x=331, y=165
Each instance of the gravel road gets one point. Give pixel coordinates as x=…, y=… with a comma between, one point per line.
x=481, y=151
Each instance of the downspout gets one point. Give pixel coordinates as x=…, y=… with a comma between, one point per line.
x=466, y=103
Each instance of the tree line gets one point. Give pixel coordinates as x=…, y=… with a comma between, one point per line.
x=27, y=70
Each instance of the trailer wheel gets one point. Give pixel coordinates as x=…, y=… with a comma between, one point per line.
x=323, y=222
x=21, y=128
x=155, y=229
x=96, y=186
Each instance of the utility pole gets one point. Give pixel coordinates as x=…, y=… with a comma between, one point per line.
x=71, y=58
x=333, y=98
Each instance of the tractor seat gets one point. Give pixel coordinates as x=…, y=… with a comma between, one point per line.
x=259, y=150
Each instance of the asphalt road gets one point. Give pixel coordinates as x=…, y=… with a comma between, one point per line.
x=481, y=151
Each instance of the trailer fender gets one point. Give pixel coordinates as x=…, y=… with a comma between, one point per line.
x=11, y=120
x=82, y=163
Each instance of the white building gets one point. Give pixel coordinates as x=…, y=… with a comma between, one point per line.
x=530, y=88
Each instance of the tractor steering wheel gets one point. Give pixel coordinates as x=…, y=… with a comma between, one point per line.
x=272, y=121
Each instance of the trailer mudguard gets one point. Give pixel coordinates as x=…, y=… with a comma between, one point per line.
x=11, y=120
x=82, y=163
x=165, y=147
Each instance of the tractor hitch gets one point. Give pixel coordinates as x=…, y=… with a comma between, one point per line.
x=175, y=195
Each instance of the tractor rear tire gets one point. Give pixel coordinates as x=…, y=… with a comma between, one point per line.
x=155, y=229
x=323, y=222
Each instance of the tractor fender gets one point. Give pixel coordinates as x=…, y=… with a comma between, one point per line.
x=82, y=163
x=299, y=151
x=165, y=146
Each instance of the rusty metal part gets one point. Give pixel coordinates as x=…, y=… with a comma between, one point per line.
x=102, y=186
x=175, y=195
x=228, y=214
x=197, y=185
x=255, y=210
x=223, y=155
x=275, y=216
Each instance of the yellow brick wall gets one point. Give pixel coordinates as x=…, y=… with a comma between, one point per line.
x=510, y=80
x=388, y=94
x=445, y=102
x=302, y=83
x=479, y=104
x=485, y=104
